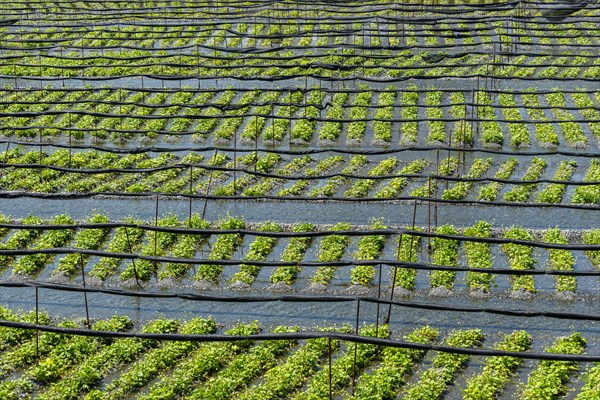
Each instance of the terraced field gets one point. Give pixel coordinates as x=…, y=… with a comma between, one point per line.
x=299, y=200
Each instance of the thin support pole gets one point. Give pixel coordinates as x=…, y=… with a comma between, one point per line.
x=156, y=237
x=135, y=274
x=190, y=210
x=414, y=218
x=37, y=321
x=85, y=299
x=389, y=313
x=429, y=214
x=355, y=347
x=234, y=163
x=210, y=177
x=378, y=305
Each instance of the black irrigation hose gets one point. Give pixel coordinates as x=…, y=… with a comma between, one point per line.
x=431, y=60
x=455, y=33
x=346, y=4
x=242, y=4
x=345, y=150
x=262, y=50
x=164, y=20
x=35, y=114
x=153, y=195
x=302, y=90
x=300, y=336
x=290, y=77
x=321, y=106
x=151, y=13
x=228, y=107
x=415, y=31
x=323, y=66
x=548, y=11
x=170, y=12
x=432, y=22
x=290, y=177
x=238, y=6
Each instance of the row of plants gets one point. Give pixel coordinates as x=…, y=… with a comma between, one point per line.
x=223, y=248
x=490, y=191
x=382, y=130
x=434, y=381
x=460, y=189
x=523, y=192
x=90, y=372
x=498, y=371
x=72, y=366
x=395, y=186
x=519, y=134
x=61, y=357
x=330, y=248
x=396, y=363
x=32, y=264
x=491, y=132
x=186, y=112
x=269, y=185
x=21, y=239
x=157, y=244
x=554, y=192
x=437, y=129
x=245, y=368
x=144, y=369
x=572, y=131
x=293, y=61
x=322, y=167
x=545, y=133
x=230, y=35
x=592, y=237
x=203, y=361
x=369, y=248
x=331, y=130
x=589, y=194
x=289, y=376
x=462, y=132
x=356, y=357
x=548, y=380
x=225, y=33
x=520, y=257
x=362, y=187
x=445, y=167
x=303, y=130
x=259, y=250
x=444, y=252
x=295, y=251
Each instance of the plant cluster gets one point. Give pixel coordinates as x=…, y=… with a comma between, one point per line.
x=520, y=257
x=548, y=380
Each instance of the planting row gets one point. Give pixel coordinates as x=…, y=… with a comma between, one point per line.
x=292, y=64
x=316, y=116
x=304, y=34
x=63, y=366
x=251, y=249
x=194, y=173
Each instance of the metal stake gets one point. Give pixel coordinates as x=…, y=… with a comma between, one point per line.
x=87, y=311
